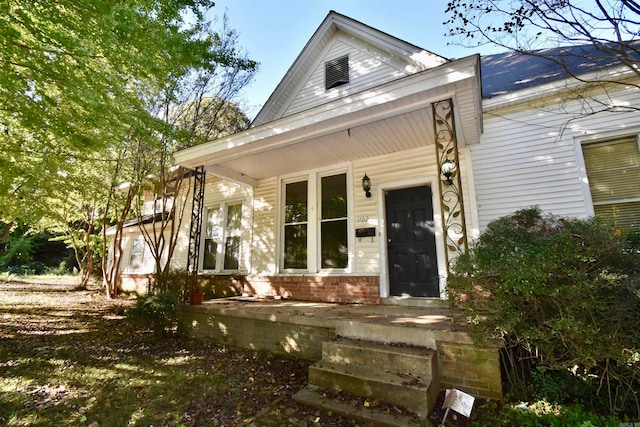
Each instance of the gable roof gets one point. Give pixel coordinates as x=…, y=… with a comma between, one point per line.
x=511, y=71
x=412, y=57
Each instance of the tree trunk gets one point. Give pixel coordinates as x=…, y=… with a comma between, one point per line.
x=6, y=231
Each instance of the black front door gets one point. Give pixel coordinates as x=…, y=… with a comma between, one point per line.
x=411, y=243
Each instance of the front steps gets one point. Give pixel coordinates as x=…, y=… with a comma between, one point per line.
x=364, y=363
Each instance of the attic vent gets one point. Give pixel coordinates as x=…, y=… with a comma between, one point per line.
x=336, y=72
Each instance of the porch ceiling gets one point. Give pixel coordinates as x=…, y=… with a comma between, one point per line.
x=393, y=117
x=410, y=130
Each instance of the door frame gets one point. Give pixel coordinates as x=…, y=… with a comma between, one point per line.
x=433, y=182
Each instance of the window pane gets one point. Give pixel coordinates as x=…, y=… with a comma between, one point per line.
x=234, y=219
x=231, y=253
x=613, y=169
x=295, y=246
x=335, y=253
x=334, y=196
x=620, y=215
x=295, y=209
x=209, y=256
x=137, y=253
x=213, y=224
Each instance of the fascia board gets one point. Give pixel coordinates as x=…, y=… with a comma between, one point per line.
x=391, y=44
x=255, y=139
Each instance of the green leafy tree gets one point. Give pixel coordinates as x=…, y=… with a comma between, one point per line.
x=202, y=106
x=80, y=82
x=75, y=76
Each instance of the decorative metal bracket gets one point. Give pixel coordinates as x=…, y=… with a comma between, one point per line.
x=451, y=198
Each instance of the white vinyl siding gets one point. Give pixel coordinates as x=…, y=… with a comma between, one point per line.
x=527, y=156
x=265, y=213
x=367, y=68
x=410, y=165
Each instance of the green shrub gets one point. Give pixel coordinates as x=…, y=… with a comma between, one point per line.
x=159, y=311
x=538, y=414
x=563, y=294
x=173, y=281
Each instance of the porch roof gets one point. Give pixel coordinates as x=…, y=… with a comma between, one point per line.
x=391, y=117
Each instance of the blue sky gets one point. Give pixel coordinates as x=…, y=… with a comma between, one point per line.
x=274, y=32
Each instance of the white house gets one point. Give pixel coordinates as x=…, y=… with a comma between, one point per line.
x=375, y=162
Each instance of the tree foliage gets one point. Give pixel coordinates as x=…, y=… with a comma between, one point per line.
x=75, y=77
x=86, y=87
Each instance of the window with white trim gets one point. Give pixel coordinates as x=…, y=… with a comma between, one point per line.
x=613, y=170
x=222, y=237
x=136, y=256
x=320, y=241
x=334, y=247
x=295, y=225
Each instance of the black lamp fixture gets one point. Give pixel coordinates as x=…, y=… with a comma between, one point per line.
x=448, y=169
x=366, y=185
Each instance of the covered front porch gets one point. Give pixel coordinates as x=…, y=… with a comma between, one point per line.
x=423, y=346
x=408, y=135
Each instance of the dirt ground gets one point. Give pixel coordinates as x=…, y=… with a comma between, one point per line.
x=83, y=332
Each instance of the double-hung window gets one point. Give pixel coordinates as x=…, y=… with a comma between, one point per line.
x=316, y=223
x=296, y=225
x=613, y=169
x=334, y=252
x=222, y=236
x=136, y=258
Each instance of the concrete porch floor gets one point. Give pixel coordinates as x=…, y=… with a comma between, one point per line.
x=420, y=314
x=299, y=328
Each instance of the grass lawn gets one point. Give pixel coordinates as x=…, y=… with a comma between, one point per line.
x=70, y=357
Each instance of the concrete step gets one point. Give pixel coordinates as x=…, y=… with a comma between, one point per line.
x=411, y=392
x=417, y=361
x=314, y=397
x=385, y=333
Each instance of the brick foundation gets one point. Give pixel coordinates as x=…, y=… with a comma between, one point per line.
x=470, y=368
x=135, y=283
x=336, y=289
x=282, y=337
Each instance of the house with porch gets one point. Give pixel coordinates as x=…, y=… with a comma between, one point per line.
x=374, y=163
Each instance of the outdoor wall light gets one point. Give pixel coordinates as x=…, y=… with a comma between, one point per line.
x=448, y=169
x=366, y=185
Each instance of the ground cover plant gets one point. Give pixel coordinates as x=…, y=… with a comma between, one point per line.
x=72, y=357
x=564, y=296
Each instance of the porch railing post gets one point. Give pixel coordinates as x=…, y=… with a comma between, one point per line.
x=195, y=230
x=451, y=198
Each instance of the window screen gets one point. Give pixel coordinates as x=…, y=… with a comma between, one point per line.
x=336, y=72
x=613, y=169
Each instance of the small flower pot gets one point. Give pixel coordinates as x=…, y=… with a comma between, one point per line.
x=196, y=298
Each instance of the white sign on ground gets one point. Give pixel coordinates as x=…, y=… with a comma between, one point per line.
x=459, y=401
